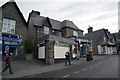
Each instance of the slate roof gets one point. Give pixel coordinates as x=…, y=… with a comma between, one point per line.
x=39, y=20
x=117, y=35
x=96, y=34
x=54, y=38
x=67, y=23
x=55, y=24
x=99, y=34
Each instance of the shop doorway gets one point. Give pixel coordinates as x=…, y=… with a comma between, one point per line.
x=13, y=49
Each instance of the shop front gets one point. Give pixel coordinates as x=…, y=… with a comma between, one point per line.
x=83, y=46
x=0, y=47
x=10, y=44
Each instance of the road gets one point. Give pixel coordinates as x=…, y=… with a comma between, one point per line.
x=104, y=68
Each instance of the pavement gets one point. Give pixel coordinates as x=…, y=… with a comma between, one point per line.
x=29, y=68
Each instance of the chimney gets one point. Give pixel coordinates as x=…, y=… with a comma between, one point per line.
x=90, y=29
x=34, y=13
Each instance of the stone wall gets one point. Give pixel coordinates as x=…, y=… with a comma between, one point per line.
x=80, y=33
x=49, y=52
x=69, y=32
x=10, y=11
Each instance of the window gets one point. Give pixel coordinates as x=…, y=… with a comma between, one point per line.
x=8, y=26
x=114, y=49
x=59, y=33
x=46, y=30
x=75, y=33
x=103, y=49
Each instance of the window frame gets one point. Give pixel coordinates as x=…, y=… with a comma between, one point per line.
x=75, y=32
x=8, y=26
x=46, y=32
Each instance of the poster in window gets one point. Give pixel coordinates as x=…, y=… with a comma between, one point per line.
x=6, y=49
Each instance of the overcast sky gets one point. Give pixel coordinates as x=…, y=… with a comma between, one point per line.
x=96, y=13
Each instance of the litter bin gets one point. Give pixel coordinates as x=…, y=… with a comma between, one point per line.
x=88, y=57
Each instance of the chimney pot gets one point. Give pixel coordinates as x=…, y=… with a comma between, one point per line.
x=90, y=29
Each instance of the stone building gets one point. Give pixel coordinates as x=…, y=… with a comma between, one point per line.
x=14, y=31
x=103, y=42
x=117, y=37
x=50, y=36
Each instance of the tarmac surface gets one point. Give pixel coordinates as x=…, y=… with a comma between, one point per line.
x=23, y=69
x=105, y=68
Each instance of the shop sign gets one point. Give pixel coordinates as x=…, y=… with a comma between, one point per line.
x=12, y=39
x=61, y=44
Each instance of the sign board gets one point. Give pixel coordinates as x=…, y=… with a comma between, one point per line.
x=61, y=44
x=12, y=39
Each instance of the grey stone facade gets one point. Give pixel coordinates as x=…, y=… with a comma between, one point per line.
x=11, y=11
x=36, y=24
x=98, y=37
x=49, y=54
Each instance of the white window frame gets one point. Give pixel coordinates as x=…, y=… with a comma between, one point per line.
x=8, y=26
x=75, y=33
x=46, y=32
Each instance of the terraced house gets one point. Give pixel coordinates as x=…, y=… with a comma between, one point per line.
x=50, y=37
x=103, y=42
x=13, y=31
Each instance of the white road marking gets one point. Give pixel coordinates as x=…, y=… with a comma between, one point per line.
x=84, y=69
x=76, y=72
x=100, y=63
x=66, y=76
x=91, y=67
x=96, y=65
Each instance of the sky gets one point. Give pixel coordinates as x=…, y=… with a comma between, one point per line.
x=97, y=13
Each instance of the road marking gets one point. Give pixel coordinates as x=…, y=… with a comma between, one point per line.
x=100, y=63
x=66, y=76
x=84, y=69
x=91, y=67
x=96, y=65
x=76, y=72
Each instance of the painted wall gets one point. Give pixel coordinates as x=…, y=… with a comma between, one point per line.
x=59, y=52
x=41, y=52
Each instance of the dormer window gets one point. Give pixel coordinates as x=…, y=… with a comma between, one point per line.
x=75, y=33
x=8, y=26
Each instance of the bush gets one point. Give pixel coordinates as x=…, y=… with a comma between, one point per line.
x=28, y=46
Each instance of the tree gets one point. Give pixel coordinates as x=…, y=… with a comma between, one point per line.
x=28, y=46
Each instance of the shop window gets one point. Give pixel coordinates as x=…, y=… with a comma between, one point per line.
x=14, y=43
x=46, y=30
x=14, y=51
x=6, y=49
x=6, y=42
x=75, y=33
x=8, y=26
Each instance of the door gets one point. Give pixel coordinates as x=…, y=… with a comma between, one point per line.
x=14, y=50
